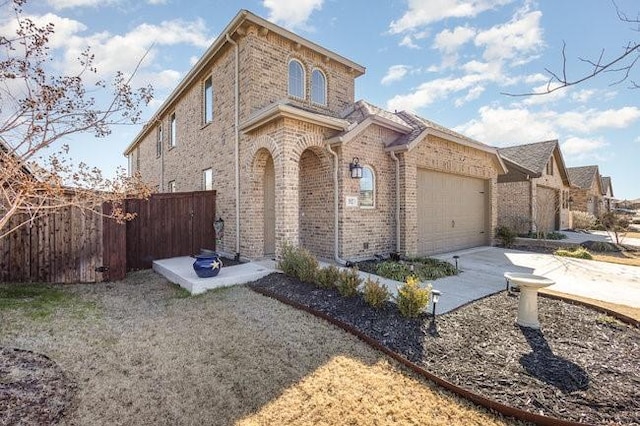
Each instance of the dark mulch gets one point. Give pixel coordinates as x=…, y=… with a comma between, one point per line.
x=581, y=366
x=33, y=389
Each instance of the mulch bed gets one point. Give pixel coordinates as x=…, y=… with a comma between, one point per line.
x=581, y=366
x=33, y=389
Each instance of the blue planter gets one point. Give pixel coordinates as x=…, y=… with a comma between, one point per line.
x=207, y=265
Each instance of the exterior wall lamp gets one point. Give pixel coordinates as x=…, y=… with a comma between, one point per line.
x=355, y=168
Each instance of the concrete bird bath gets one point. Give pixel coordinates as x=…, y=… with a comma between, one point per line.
x=529, y=285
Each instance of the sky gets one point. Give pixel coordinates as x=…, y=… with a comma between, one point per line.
x=450, y=61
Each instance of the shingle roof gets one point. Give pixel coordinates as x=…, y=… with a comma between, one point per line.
x=606, y=184
x=582, y=176
x=532, y=156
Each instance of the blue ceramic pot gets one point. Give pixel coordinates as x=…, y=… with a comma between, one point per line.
x=207, y=265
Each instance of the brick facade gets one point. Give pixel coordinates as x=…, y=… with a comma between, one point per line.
x=295, y=148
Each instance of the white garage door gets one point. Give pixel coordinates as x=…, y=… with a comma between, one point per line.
x=452, y=212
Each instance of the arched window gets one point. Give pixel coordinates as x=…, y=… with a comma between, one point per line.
x=296, y=79
x=318, y=87
x=367, y=188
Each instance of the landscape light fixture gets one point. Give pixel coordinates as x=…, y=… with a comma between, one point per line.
x=355, y=168
x=435, y=297
x=456, y=257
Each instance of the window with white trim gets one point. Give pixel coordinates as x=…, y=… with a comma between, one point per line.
x=296, y=79
x=172, y=186
x=318, y=87
x=207, y=179
x=173, y=137
x=208, y=101
x=159, y=141
x=367, y=188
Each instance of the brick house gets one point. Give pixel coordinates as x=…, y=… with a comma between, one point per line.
x=608, y=200
x=268, y=120
x=534, y=194
x=587, y=191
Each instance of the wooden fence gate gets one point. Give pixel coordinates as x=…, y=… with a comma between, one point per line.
x=169, y=225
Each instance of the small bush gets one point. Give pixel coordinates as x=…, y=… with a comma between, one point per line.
x=425, y=268
x=328, y=277
x=348, y=283
x=299, y=263
x=393, y=270
x=375, y=294
x=579, y=253
x=583, y=220
x=506, y=235
x=412, y=299
x=555, y=236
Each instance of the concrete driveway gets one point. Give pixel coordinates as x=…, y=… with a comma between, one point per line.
x=485, y=266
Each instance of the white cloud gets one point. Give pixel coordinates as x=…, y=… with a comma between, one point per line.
x=522, y=35
x=291, y=13
x=473, y=94
x=504, y=127
x=592, y=120
x=535, y=78
x=583, y=95
x=545, y=98
x=193, y=60
x=407, y=41
x=575, y=146
x=66, y=4
x=63, y=28
x=449, y=41
x=156, y=2
x=424, y=12
x=395, y=73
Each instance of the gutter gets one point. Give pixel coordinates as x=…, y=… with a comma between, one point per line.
x=237, y=142
x=336, y=200
x=397, y=161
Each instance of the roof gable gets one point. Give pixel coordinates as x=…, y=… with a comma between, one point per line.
x=532, y=158
x=607, y=188
x=584, y=176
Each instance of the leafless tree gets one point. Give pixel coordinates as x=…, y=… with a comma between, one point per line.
x=620, y=65
x=40, y=108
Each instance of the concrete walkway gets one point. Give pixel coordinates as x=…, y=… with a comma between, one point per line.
x=482, y=274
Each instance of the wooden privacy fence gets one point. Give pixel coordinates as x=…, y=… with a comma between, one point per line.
x=72, y=245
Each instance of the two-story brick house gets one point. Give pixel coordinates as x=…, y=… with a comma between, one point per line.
x=268, y=120
x=534, y=194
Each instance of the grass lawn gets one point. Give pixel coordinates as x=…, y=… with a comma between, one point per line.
x=141, y=351
x=622, y=258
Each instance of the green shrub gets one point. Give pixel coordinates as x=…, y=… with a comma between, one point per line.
x=582, y=220
x=348, y=283
x=412, y=299
x=393, y=270
x=375, y=294
x=299, y=263
x=579, y=253
x=506, y=235
x=555, y=236
x=328, y=277
x=424, y=268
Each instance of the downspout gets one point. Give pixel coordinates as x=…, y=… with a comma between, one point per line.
x=336, y=200
x=397, y=161
x=237, y=142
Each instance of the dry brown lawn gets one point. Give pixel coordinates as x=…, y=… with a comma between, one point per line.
x=146, y=354
x=622, y=258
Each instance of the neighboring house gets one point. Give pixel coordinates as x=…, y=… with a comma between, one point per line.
x=608, y=200
x=534, y=194
x=587, y=191
x=268, y=120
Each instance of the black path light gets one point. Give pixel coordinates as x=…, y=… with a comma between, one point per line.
x=435, y=297
x=456, y=257
x=355, y=168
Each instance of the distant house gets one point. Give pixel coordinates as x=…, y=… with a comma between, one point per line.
x=268, y=119
x=608, y=200
x=587, y=190
x=534, y=194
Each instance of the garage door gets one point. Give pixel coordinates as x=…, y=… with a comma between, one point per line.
x=548, y=209
x=452, y=212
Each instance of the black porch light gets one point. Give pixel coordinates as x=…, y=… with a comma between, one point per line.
x=355, y=168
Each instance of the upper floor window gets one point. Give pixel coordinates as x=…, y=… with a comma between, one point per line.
x=159, y=141
x=208, y=100
x=318, y=87
x=173, y=137
x=367, y=188
x=550, y=167
x=130, y=163
x=296, y=79
x=172, y=186
x=207, y=179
